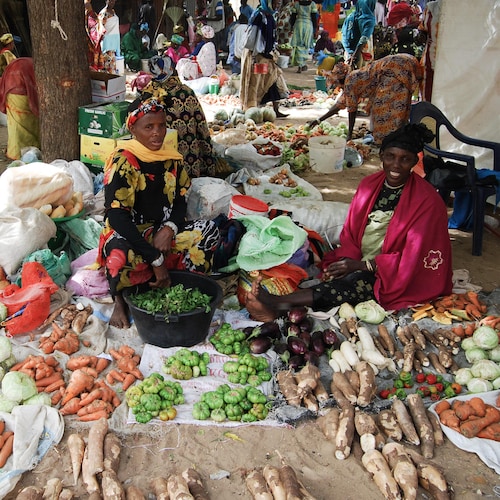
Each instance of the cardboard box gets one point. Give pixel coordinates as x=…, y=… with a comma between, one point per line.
x=107, y=87
x=95, y=150
x=104, y=120
x=169, y=141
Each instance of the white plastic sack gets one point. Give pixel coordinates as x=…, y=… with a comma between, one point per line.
x=34, y=185
x=245, y=155
x=82, y=177
x=208, y=197
x=23, y=231
x=36, y=429
x=325, y=217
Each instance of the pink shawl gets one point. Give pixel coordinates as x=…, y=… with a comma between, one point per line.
x=415, y=264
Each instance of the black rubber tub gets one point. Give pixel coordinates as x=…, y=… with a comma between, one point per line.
x=185, y=329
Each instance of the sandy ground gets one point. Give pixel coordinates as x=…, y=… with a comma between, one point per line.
x=150, y=451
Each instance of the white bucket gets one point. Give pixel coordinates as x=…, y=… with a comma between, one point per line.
x=326, y=154
x=246, y=205
x=145, y=65
x=283, y=61
x=120, y=65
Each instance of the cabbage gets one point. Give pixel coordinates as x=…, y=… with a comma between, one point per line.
x=463, y=375
x=17, y=386
x=485, y=337
x=254, y=114
x=221, y=115
x=485, y=368
x=370, y=312
x=475, y=354
x=468, y=343
x=346, y=311
x=496, y=384
x=494, y=354
x=268, y=114
x=5, y=348
x=6, y=364
x=6, y=404
x=42, y=398
x=479, y=385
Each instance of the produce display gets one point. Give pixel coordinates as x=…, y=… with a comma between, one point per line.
x=186, y=364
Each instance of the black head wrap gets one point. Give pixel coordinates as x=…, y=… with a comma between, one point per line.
x=410, y=137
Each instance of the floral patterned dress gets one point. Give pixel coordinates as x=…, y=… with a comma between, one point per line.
x=140, y=198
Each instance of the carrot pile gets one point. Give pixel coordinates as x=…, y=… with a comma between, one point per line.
x=6, y=444
x=127, y=367
x=471, y=418
x=63, y=340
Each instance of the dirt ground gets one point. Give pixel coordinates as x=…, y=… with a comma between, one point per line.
x=222, y=460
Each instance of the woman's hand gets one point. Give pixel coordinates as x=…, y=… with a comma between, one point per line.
x=162, y=277
x=341, y=268
x=313, y=123
x=163, y=239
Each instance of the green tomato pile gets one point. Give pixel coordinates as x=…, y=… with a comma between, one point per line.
x=228, y=340
x=154, y=397
x=186, y=364
x=248, y=369
x=241, y=404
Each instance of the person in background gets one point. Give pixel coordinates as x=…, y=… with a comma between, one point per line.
x=94, y=52
x=357, y=32
x=260, y=88
x=304, y=21
x=203, y=60
x=381, y=13
x=147, y=15
x=145, y=231
x=284, y=30
x=6, y=51
x=109, y=28
x=429, y=30
x=245, y=9
x=175, y=49
x=388, y=84
x=217, y=21
x=19, y=101
x=327, y=53
x=133, y=48
x=386, y=251
x=237, y=45
x=184, y=114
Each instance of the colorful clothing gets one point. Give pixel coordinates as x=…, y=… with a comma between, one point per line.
x=303, y=31
x=134, y=50
x=109, y=27
x=94, y=52
x=185, y=114
x=141, y=196
x=388, y=84
x=430, y=25
x=415, y=261
x=19, y=101
x=203, y=64
x=357, y=30
x=6, y=57
x=283, y=27
x=177, y=53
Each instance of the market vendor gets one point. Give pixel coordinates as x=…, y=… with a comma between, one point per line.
x=394, y=246
x=387, y=83
x=145, y=229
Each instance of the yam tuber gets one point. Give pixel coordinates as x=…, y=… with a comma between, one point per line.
x=436, y=427
x=365, y=423
x=342, y=383
x=367, y=384
x=89, y=478
x=30, y=493
x=388, y=423
x=424, y=428
x=403, y=469
x=432, y=480
x=288, y=387
x=95, y=446
x=112, y=488
x=112, y=450
x=307, y=379
x=375, y=463
x=272, y=476
x=195, y=484
x=76, y=447
x=405, y=422
x=329, y=423
x=288, y=478
x=159, y=486
x=386, y=338
x=177, y=488
x=134, y=493
x=320, y=392
x=345, y=433
x=257, y=486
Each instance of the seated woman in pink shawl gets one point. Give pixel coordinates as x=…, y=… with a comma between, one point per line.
x=394, y=246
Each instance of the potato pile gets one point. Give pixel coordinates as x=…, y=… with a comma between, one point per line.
x=72, y=207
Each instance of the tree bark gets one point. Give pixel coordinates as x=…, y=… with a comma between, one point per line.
x=62, y=74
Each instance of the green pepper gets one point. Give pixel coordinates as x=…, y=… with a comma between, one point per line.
x=151, y=402
x=399, y=384
x=143, y=417
x=256, y=396
x=400, y=394
x=248, y=417
x=449, y=392
x=233, y=397
x=405, y=376
x=201, y=411
x=218, y=415
x=133, y=395
x=213, y=399
x=234, y=412
x=152, y=385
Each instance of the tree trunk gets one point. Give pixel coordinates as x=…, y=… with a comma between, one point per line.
x=62, y=74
